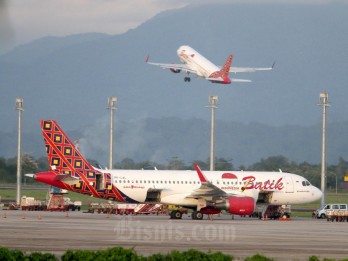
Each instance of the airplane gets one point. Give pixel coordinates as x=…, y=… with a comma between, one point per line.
x=197, y=64
x=209, y=192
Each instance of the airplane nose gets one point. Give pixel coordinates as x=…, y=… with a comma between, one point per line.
x=317, y=194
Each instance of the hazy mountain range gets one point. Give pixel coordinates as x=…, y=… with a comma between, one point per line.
x=159, y=116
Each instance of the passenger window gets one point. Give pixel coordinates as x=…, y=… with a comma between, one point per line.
x=335, y=207
x=303, y=183
x=169, y=182
x=342, y=206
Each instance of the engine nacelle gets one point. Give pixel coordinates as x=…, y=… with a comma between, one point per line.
x=175, y=70
x=237, y=205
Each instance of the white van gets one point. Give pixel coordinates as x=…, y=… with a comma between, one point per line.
x=321, y=212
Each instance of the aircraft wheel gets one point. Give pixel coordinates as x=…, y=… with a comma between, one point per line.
x=177, y=214
x=197, y=215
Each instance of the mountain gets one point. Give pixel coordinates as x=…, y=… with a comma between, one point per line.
x=69, y=78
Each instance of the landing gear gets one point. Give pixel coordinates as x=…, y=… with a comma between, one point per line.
x=187, y=79
x=175, y=214
x=197, y=215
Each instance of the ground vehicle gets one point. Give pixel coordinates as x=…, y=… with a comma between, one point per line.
x=275, y=211
x=338, y=215
x=320, y=213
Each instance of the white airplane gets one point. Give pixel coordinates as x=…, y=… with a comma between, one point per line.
x=237, y=192
x=197, y=64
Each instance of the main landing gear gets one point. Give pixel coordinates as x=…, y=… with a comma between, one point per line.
x=197, y=215
x=177, y=214
x=187, y=79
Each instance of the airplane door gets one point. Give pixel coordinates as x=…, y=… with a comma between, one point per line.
x=289, y=185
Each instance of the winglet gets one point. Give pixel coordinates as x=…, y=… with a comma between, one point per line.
x=147, y=58
x=201, y=176
x=273, y=65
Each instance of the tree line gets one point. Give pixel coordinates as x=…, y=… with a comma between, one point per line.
x=8, y=167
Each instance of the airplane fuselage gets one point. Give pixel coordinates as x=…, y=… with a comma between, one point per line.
x=204, y=67
x=173, y=187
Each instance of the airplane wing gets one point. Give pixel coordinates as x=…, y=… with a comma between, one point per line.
x=175, y=67
x=172, y=66
x=250, y=69
x=207, y=189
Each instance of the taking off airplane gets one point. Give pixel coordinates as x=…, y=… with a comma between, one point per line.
x=208, y=192
x=196, y=63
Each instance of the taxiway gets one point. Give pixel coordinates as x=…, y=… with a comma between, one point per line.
x=57, y=232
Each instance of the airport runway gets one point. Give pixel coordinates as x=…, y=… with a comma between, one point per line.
x=56, y=232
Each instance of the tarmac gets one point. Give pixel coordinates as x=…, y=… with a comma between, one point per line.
x=56, y=232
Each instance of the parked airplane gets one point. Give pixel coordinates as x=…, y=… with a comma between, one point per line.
x=206, y=193
x=195, y=63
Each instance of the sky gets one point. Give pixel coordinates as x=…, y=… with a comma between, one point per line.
x=22, y=21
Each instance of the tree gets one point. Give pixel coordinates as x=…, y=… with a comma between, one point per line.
x=223, y=164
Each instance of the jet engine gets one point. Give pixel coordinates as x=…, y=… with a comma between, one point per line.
x=237, y=205
x=175, y=70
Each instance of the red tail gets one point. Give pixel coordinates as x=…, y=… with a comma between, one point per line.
x=224, y=72
x=70, y=170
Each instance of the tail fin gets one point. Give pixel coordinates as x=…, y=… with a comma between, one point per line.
x=222, y=76
x=225, y=70
x=62, y=154
x=67, y=164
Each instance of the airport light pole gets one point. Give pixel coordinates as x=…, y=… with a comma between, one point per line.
x=111, y=106
x=324, y=102
x=213, y=105
x=19, y=107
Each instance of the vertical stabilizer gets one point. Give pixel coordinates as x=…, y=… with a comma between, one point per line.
x=67, y=163
x=222, y=76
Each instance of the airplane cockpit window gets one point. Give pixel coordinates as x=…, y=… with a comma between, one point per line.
x=306, y=183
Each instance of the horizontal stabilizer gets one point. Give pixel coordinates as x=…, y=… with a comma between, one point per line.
x=67, y=179
x=240, y=80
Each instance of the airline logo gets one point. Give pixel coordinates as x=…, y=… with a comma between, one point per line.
x=267, y=185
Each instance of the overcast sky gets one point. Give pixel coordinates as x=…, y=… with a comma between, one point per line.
x=22, y=21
